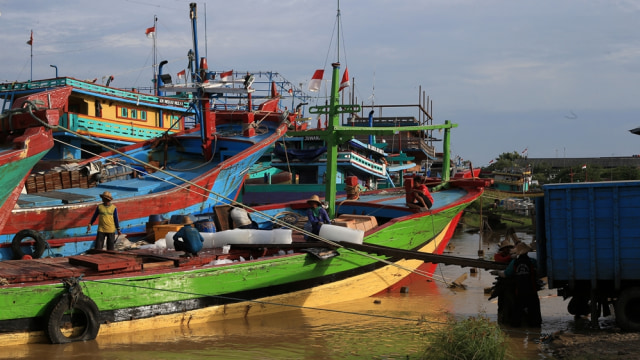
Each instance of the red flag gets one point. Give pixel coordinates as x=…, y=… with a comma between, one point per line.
x=316, y=80
x=150, y=32
x=491, y=161
x=345, y=80
x=182, y=74
x=226, y=76
x=30, y=42
x=584, y=167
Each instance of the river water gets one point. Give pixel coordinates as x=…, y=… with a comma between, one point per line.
x=383, y=327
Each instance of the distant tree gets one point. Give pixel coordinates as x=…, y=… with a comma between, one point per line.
x=506, y=161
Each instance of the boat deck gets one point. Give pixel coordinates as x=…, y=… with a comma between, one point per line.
x=397, y=197
x=100, y=263
x=146, y=184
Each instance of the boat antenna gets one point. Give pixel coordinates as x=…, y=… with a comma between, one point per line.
x=338, y=37
x=154, y=68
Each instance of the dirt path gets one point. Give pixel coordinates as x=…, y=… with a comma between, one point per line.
x=596, y=344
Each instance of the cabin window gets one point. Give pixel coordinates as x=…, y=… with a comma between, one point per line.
x=124, y=112
x=143, y=115
x=134, y=114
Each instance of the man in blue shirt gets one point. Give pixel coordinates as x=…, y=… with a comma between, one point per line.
x=317, y=214
x=188, y=239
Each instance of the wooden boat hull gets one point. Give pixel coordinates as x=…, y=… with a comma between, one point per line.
x=172, y=292
x=18, y=156
x=63, y=226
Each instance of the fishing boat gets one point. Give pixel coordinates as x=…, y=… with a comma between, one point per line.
x=372, y=246
x=115, y=117
x=171, y=175
x=300, y=164
x=25, y=137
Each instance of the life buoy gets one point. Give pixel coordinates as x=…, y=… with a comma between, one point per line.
x=83, y=316
x=38, y=248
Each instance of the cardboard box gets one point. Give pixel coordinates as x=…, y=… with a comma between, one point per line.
x=160, y=231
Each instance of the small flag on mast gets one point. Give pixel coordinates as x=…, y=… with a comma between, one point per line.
x=316, y=80
x=345, y=80
x=182, y=74
x=226, y=76
x=151, y=32
x=30, y=42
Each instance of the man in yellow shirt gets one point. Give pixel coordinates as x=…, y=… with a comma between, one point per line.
x=108, y=223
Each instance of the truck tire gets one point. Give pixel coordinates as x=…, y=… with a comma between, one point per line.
x=627, y=309
x=579, y=305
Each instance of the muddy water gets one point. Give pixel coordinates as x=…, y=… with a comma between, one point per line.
x=384, y=327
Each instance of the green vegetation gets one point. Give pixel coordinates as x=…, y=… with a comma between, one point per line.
x=508, y=219
x=543, y=173
x=473, y=338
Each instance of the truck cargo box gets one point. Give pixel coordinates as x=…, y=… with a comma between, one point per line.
x=591, y=232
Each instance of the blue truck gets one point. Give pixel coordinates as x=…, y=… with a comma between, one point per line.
x=588, y=243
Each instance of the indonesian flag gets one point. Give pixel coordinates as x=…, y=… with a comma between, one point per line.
x=345, y=80
x=316, y=80
x=226, y=76
x=182, y=74
x=525, y=150
x=584, y=167
x=150, y=32
x=30, y=42
x=491, y=161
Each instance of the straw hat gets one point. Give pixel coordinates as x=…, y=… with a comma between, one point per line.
x=187, y=220
x=505, y=244
x=106, y=196
x=315, y=199
x=522, y=248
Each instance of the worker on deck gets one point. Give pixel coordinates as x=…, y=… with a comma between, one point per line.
x=108, y=224
x=317, y=215
x=240, y=219
x=188, y=239
x=419, y=195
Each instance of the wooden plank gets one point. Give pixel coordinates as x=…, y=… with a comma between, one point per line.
x=104, y=262
x=29, y=270
x=158, y=265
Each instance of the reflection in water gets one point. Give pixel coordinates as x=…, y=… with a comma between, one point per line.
x=384, y=327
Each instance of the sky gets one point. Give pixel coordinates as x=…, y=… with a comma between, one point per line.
x=545, y=78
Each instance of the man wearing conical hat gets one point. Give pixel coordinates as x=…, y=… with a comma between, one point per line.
x=503, y=255
x=188, y=239
x=527, y=303
x=316, y=214
x=108, y=223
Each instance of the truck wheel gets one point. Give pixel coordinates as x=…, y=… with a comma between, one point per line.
x=579, y=305
x=627, y=309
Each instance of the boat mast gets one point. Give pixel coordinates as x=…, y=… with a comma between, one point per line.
x=336, y=134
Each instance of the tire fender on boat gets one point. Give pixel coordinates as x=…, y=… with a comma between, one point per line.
x=16, y=244
x=83, y=315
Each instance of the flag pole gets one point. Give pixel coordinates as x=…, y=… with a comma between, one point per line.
x=31, y=46
x=155, y=56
